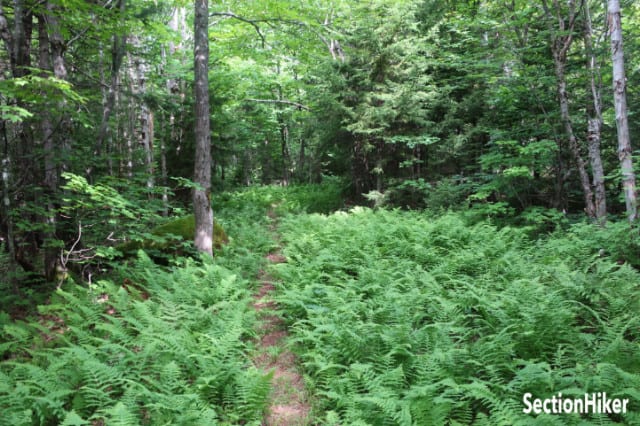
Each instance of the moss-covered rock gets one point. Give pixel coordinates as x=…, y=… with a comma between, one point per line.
x=169, y=237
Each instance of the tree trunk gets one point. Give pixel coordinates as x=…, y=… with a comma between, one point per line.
x=300, y=169
x=620, y=98
x=23, y=26
x=130, y=132
x=598, y=170
x=17, y=159
x=573, y=141
x=50, y=172
x=163, y=173
x=286, y=158
x=203, y=238
x=117, y=55
x=595, y=123
x=360, y=172
x=7, y=39
x=561, y=40
x=5, y=210
x=51, y=52
x=146, y=118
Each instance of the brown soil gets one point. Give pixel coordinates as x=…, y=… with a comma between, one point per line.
x=288, y=405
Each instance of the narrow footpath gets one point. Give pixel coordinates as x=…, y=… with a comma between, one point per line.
x=288, y=404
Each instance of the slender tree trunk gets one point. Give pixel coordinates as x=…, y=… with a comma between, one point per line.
x=203, y=238
x=360, y=171
x=595, y=123
x=147, y=143
x=21, y=54
x=176, y=24
x=286, y=158
x=50, y=172
x=51, y=57
x=57, y=43
x=6, y=204
x=146, y=119
x=284, y=133
x=620, y=98
x=117, y=54
x=246, y=168
x=17, y=160
x=130, y=133
x=300, y=169
x=573, y=141
x=23, y=24
x=562, y=38
x=163, y=174
x=598, y=170
x=7, y=38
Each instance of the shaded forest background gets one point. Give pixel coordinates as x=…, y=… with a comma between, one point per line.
x=502, y=107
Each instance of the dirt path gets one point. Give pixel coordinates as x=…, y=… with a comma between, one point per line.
x=288, y=405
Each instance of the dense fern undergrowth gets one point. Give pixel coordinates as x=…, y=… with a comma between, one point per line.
x=398, y=318
x=146, y=345
x=404, y=318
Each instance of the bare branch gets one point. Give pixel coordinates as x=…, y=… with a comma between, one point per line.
x=65, y=260
x=77, y=37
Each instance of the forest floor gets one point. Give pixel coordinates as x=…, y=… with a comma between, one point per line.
x=288, y=404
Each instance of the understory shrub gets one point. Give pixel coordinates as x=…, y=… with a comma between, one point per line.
x=311, y=198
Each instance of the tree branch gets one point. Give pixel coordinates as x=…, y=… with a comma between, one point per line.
x=280, y=101
x=252, y=22
x=332, y=45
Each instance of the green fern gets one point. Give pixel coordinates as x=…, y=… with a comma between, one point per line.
x=400, y=318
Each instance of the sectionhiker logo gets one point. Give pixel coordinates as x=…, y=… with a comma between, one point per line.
x=590, y=403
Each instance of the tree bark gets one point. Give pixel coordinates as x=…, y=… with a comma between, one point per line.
x=163, y=174
x=23, y=26
x=48, y=145
x=203, y=212
x=5, y=210
x=130, y=132
x=145, y=118
x=620, y=99
x=60, y=140
x=119, y=43
x=300, y=169
x=595, y=123
x=7, y=39
x=561, y=40
x=17, y=160
x=573, y=141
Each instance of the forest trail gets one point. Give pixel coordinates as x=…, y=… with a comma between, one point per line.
x=288, y=405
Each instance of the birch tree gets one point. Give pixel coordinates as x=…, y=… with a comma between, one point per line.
x=595, y=121
x=620, y=100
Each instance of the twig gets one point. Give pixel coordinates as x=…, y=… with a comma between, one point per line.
x=64, y=262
